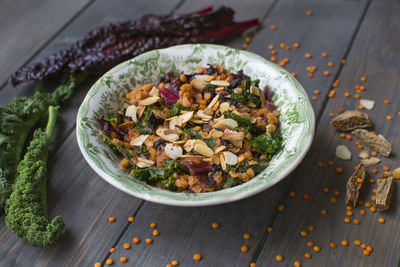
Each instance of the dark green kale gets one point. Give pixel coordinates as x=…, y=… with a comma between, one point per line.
x=176, y=110
x=231, y=182
x=26, y=209
x=17, y=119
x=257, y=168
x=241, y=120
x=245, y=96
x=211, y=142
x=269, y=145
x=149, y=122
x=163, y=176
x=210, y=88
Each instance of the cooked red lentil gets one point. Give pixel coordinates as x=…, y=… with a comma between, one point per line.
x=197, y=133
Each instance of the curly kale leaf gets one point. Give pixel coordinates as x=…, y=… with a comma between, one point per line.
x=245, y=96
x=17, y=119
x=177, y=109
x=26, y=209
x=269, y=145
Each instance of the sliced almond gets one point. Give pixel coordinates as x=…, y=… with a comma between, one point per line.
x=138, y=141
x=215, y=160
x=223, y=107
x=226, y=124
x=139, y=111
x=131, y=112
x=368, y=104
x=159, y=114
x=238, y=90
x=271, y=128
x=181, y=142
x=219, y=149
x=364, y=154
x=215, y=133
x=370, y=162
x=219, y=83
x=219, y=89
x=188, y=146
x=198, y=121
x=232, y=136
x=149, y=101
x=262, y=98
x=203, y=150
x=253, y=162
x=163, y=133
x=154, y=91
x=222, y=160
x=146, y=161
x=143, y=165
x=199, y=84
x=237, y=143
x=185, y=117
x=203, y=116
x=198, y=141
x=230, y=158
x=213, y=101
x=173, y=151
x=204, y=77
x=254, y=90
x=343, y=152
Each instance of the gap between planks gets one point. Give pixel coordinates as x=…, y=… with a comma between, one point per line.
x=264, y=238
x=52, y=38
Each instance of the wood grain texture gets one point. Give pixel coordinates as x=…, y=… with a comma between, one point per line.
x=26, y=26
x=193, y=233
x=374, y=54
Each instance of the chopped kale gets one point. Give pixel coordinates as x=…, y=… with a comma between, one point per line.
x=211, y=142
x=230, y=182
x=269, y=145
x=245, y=96
x=177, y=109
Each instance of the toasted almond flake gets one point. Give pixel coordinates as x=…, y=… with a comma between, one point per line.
x=159, y=114
x=131, y=112
x=215, y=160
x=232, y=136
x=237, y=143
x=215, y=133
x=370, y=162
x=185, y=117
x=364, y=154
x=262, y=98
x=238, y=90
x=146, y=161
x=197, y=121
x=230, y=158
x=198, y=84
x=142, y=165
x=253, y=120
x=215, y=107
x=173, y=151
x=226, y=124
x=154, y=91
x=368, y=104
x=203, y=150
x=204, y=77
x=396, y=173
x=204, y=116
x=191, y=156
x=218, y=89
x=139, y=111
x=126, y=124
x=198, y=141
x=219, y=83
x=223, y=163
x=219, y=149
x=188, y=146
x=343, y=152
x=223, y=107
x=255, y=90
x=271, y=128
x=213, y=101
x=164, y=134
x=253, y=162
x=138, y=141
x=181, y=142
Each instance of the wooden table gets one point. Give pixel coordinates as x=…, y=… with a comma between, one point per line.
x=363, y=32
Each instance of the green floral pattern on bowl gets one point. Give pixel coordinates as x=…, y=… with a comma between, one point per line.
x=297, y=118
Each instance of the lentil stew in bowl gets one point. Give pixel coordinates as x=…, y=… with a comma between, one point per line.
x=201, y=132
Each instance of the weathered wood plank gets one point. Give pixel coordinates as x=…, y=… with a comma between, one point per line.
x=191, y=230
x=75, y=191
x=26, y=26
x=375, y=55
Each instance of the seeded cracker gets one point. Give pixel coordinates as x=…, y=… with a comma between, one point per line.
x=350, y=120
x=354, y=185
x=377, y=143
x=384, y=191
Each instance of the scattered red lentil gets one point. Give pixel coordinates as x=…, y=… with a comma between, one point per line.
x=156, y=233
x=310, y=243
x=344, y=61
x=386, y=101
x=342, y=135
x=317, y=248
x=308, y=55
x=356, y=221
x=324, y=54
x=297, y=264
x=372, y=209
x=292, y=194
x=294, y=74
x=333, y=245
x=336, y=192
x=386, y=168
x=131, y=219
x=303, y=233
x=347, y=94
x=358, y=142
x=366, y=252
x=373, y=198
x=340, y=110
x=333, y=200
x=327, y=73
x=306, y=196
x=281, y=207
x=271, y=46
x=273, y=27
x=127, y=246
x=269, y=229
x=357, y=96
x=307, y=255
x=357, y=242
x=367, y=204
x=360, y=202
x=97, y=264
x=363, y=246
x=373, y=153
x=245, y=45
x=197, y=257
x=123, y=259
x=349, y=208
x=362, y=88
x=296, y=45
x=371, y=180
x=309, y=13
x=314, y=98
x=361, y=107
x=287, y=48
x=363, y=79
x=168, y=265
x=381, y=220
x=149, y=241
x=339, y=170
x=109, y=261
x=247, y=39
x=374, y=170
x=310, y=75
x=330, y=64
x=273, y=59
x=111, y=219
x=244, y=248
x=215, y=225
x=389, y=118
x=362, y=212
x=331, y=114
x=279, y=257
x=174, y=262
x=246, y=236
x=273, y=52
x=253, y=264
x=330, y=163
x=311, y=228
x=360, y=146
x=153, y=225
x=347, y=220
x=345, y=243
x=323, y=212
x=112, y=250
x=136, y=240
x=320, y=164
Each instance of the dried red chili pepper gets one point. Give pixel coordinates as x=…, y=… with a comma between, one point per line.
x=106, y=46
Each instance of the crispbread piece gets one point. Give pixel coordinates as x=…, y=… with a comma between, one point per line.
x=350, y=120
x=377, y=143
x=384, y=191
x=354, y=185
